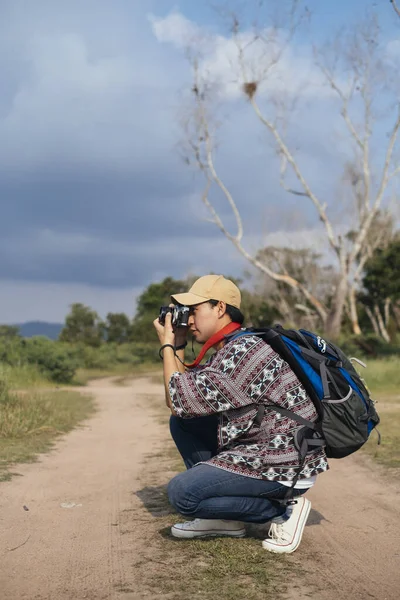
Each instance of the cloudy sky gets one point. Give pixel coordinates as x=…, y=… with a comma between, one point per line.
x=96, y=201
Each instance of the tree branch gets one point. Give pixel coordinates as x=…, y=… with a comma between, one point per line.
x=382, y=188
x=345, y=104
x=287, y=279
x=307, y=190
x=361, y=142
x=222, y=186
x=396, y=8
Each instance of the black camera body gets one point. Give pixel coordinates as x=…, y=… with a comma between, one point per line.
x=180, y=315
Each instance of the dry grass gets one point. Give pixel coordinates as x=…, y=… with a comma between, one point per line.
x=388, y=452
x=30, y=422
x=383, y=380
x=205, y=569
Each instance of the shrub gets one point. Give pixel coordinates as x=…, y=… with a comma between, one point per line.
x=12, y=350
x=368, y=345
x=52, y=358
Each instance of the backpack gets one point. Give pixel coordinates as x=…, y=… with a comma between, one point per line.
x=346, y=412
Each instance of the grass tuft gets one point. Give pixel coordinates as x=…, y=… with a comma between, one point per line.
x=224, y=568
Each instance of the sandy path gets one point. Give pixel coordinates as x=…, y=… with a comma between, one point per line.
x=351, y=545
x=82, y=552
x=103, y=548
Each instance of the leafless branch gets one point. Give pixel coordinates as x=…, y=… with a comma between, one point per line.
x=283, y=182
x=366, y=224
x=210, y=172
x=396, y=7
x=285, y=278
x=395, y=172
x=362, y=142
x=307, y=189
x=345, y=98
x=250, y=88
x=222, y=186
x=304, y=309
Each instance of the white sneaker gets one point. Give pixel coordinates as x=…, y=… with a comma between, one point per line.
x=286, y=537
x=208, y=528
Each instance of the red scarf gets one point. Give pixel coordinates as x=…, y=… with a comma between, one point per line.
x=213, y=341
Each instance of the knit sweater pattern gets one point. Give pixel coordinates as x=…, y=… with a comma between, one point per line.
x=243, y=374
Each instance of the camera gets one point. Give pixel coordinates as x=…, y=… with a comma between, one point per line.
x=180, y=315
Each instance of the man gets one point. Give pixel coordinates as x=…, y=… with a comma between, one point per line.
x=239, y=464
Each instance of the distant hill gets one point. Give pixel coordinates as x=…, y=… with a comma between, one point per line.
x=32, y=328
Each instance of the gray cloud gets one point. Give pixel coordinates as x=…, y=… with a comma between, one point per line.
x=92, y=190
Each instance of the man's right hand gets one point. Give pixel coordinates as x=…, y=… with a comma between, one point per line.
x=180, y=336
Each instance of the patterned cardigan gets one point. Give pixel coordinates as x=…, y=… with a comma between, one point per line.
x=244, y=373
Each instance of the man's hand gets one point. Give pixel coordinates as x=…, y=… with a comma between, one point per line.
x=165, y=333
x=180, y=335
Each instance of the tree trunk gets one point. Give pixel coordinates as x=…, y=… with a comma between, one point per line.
x=285, y=311
x=353, y=312
x=396, y=314
x=381, y=324
x=333, y=324
x=374, y=322
x=387, y=311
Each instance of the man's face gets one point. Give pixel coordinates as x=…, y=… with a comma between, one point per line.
x=203, y=321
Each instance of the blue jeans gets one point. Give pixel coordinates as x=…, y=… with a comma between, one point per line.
x=207, y=492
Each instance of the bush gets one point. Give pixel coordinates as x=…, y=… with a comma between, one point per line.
x=52, y=358
x=12, y=351
x=368, y=346
x=145, y=352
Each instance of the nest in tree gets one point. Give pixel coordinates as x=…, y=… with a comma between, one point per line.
x=250, y=88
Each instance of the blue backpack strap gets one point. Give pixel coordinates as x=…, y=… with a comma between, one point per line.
x=238, y=334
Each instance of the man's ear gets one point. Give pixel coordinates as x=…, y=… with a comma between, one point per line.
x=221, y=308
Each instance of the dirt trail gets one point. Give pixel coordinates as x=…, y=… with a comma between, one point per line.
x=87, y=533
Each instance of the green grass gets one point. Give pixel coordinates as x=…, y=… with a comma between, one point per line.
x=222, y=568
x=382, y=376
x=388, y=452
x=31, y=421
x=383, y=380
x=25, y=376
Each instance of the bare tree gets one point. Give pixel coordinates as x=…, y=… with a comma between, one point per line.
x=380, y=235
x=354, y=71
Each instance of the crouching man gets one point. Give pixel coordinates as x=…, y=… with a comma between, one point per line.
x=240, y=460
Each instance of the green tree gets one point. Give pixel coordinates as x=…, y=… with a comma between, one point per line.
x=117, y=328
x=52, y=358
x=82, y=324
x=382, y=286
x=148, y=307
x=381, y=274
x=9, y=331
x=258, y=311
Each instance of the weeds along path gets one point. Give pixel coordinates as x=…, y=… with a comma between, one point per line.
x=97, y=524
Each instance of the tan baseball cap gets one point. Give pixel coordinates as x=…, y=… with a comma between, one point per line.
x=210, y=287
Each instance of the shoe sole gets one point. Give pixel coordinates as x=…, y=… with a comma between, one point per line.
x=180, y=533
x=296, y=542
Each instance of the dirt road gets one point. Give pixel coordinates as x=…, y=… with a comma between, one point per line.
x=90, y=532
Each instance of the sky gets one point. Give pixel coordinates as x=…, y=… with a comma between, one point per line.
x=96, y=200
